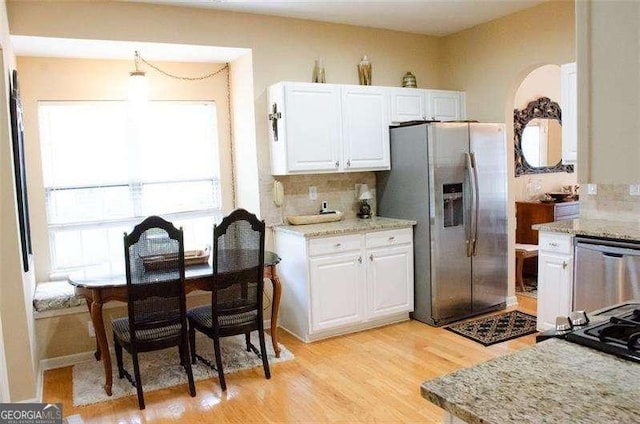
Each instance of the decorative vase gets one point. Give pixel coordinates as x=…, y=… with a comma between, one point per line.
x=318, y=72
x=364, y=71
x=409, y=80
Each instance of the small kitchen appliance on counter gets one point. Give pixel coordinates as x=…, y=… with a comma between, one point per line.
x=365, y=208
x=614, y=330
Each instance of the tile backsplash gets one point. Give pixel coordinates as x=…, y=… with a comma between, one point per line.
x=611, y=202
x=337, y=189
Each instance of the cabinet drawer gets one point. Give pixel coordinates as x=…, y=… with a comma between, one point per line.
x=331, y=245
x=557, y=243
x=389, y=238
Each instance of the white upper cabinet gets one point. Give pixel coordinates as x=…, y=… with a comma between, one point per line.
x=408, y=104
x=413, y=104
x=443, y=105
x=328, y=128
x=365, y=128
x=569, y=104
x=319, y=128
x=307, y=126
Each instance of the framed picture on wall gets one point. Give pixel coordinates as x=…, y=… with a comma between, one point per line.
x=17, y=135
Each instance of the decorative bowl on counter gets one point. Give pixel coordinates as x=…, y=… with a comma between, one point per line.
x=314, y=219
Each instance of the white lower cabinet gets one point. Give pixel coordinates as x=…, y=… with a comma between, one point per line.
x=340, y=284
x=388, y=270
x=331, y=275
x=555, y=278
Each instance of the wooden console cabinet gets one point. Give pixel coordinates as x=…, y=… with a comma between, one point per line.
x=531, y=213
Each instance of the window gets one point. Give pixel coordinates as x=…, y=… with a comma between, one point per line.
x=106, y=169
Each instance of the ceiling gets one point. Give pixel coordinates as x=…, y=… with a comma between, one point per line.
x=431, y=17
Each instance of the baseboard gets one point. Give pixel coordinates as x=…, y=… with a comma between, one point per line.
x=39, y=384
x=512, y=301
x=65, y=361
x=354, y=328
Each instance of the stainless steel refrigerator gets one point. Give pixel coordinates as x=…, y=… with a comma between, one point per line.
x=451, y=179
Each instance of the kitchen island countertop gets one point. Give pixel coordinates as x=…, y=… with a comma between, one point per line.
x=620, y=230
x=552, y=382
x=346, y=226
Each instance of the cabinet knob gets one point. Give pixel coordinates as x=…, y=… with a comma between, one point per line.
x=371, y=257
x=338, y=244
x=564, y=264
x=392, y=238
x=337, y=164
x=553, y=244
x=360, y=260
x=348, y=163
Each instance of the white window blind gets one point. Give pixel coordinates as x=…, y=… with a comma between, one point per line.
x=105, y=169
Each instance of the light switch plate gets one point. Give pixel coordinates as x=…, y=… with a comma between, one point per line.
x=592, y=188
x=634, y=189
x=313, y=193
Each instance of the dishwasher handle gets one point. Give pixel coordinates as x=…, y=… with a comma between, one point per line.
x=610, y=250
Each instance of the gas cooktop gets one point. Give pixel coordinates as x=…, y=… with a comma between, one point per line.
x=618, y=335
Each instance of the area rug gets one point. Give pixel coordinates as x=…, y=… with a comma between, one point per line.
x=496, y=328
x=531, y=292
x=162, y=368
x=530, y=287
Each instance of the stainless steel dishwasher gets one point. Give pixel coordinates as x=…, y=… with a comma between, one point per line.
x=606, y=272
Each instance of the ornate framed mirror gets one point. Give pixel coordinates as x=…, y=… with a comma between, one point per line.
x=537, y=136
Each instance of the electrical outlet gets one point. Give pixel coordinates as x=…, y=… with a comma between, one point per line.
x=634, y=189
x=313, y=193
x=592, y=189
x=92, y=332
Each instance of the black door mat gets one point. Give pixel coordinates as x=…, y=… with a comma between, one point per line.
x=496, y=328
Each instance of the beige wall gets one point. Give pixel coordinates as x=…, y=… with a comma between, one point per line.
x=608, y=91
x=490, y=61
x=542, y=81
x=17, y=345
x=67, y=79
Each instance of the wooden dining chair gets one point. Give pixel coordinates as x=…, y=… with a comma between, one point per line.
x=154, y=257
x=237, y=289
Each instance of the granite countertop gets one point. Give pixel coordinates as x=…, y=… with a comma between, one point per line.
x=346, y=226
x=552, y=382
x=594, y=227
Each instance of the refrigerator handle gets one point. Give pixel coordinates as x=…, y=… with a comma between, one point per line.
x=476, y=204
x=469, y=226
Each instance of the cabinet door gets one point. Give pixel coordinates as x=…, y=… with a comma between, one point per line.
x=365, y=128
x=445, y=105
x=407, y=104
x=312, y=117
x=555, y=287
x=389, y=280
x=336, y=291
x=569, y=103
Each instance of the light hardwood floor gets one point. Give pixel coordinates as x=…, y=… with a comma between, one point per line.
x=371, y=376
